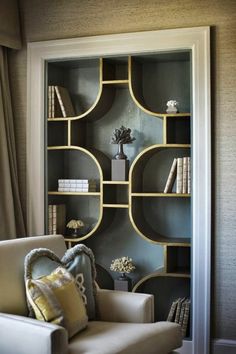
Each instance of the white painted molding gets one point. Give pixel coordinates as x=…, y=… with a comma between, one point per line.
x=223, y=346
x=197, y=41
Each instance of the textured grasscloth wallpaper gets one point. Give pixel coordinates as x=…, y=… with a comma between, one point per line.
x=53, y=19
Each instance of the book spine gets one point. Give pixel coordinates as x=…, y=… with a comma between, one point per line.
x=58, y=218
x=189, y=175
x=53, y=101
x=186, y=317
x=49, y=101
x=179, y=178
x=50, y=219
x=60, y=101
x=172, y=311
x=171, y=177
x=178, y=310
x=185, y=175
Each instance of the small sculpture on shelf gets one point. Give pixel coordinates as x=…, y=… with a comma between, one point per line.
x=172, y=106
x=120, y=137
x=123, y=265
x=75, y=225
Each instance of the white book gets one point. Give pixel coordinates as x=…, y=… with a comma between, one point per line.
x=63, y=189
x=68, y=180
x=76, y=185
x=185, y=174
x=179, y=178
x=189, y=176
x=49, y=101
x=50, y=216
x=171, y=177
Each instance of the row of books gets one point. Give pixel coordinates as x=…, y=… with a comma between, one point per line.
x=76, y=185
x=59, y=102
x=56, y=219
x=180, y=173
x=180, y=313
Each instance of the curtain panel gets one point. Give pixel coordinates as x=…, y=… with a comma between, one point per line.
x=9, y=24
x=12, y=221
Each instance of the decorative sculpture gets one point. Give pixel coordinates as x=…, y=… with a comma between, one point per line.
x=120, y=137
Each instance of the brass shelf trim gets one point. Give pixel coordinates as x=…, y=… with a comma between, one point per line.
x=125, y=206
x=116, y=182
x=75, y=193
x=171, y=195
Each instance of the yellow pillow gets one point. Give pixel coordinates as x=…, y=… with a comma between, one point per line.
x=56, y=299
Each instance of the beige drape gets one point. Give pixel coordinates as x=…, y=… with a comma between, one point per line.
x=9, y=24
x=11, y=216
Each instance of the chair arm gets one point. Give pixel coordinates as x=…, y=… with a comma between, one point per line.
x=122, y=306
x=23, y=335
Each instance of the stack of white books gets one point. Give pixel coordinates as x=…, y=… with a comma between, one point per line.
x=76, y=185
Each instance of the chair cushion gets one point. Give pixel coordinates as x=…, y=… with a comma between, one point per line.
x=56, y=299
x=127, y=338
x=78, y=260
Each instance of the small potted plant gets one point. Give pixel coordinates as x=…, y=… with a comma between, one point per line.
x=75, y=225
x=123, y=266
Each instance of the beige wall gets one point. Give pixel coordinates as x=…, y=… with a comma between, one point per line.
x=52, y=19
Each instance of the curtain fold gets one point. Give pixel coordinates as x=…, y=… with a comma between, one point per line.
x=12, y=221
x=10, y=24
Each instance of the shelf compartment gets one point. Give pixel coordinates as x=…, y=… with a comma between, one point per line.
x=178, y=260
x=150, y=169
x=115, y=68
x=57, y=133
x=116, y=195
x=81, y=77
x=177, y=129
x=157, y=78
x=65, y=163
x=162, y=220
x=165, y=289
x=86, y=207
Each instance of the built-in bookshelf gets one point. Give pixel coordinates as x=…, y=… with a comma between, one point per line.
x=148, y=212
x=65, y=61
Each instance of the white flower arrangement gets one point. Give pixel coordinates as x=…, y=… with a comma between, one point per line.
x=75, y=224
x=172, y=103
x=172, y=106
x=122, y=265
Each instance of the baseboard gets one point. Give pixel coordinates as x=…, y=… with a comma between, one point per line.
x=223, y=346
x=186, y=348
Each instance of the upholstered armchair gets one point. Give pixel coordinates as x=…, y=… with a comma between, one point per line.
x=123, y=324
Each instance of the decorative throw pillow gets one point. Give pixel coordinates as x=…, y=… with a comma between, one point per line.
x=56, y=299
x=78, y=260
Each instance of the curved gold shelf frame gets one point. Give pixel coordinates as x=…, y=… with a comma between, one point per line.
x=100, y=89
x=163, y=240
x=88, y=194
x=156, y=275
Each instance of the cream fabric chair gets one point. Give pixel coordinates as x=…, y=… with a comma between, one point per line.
x=125, y=325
